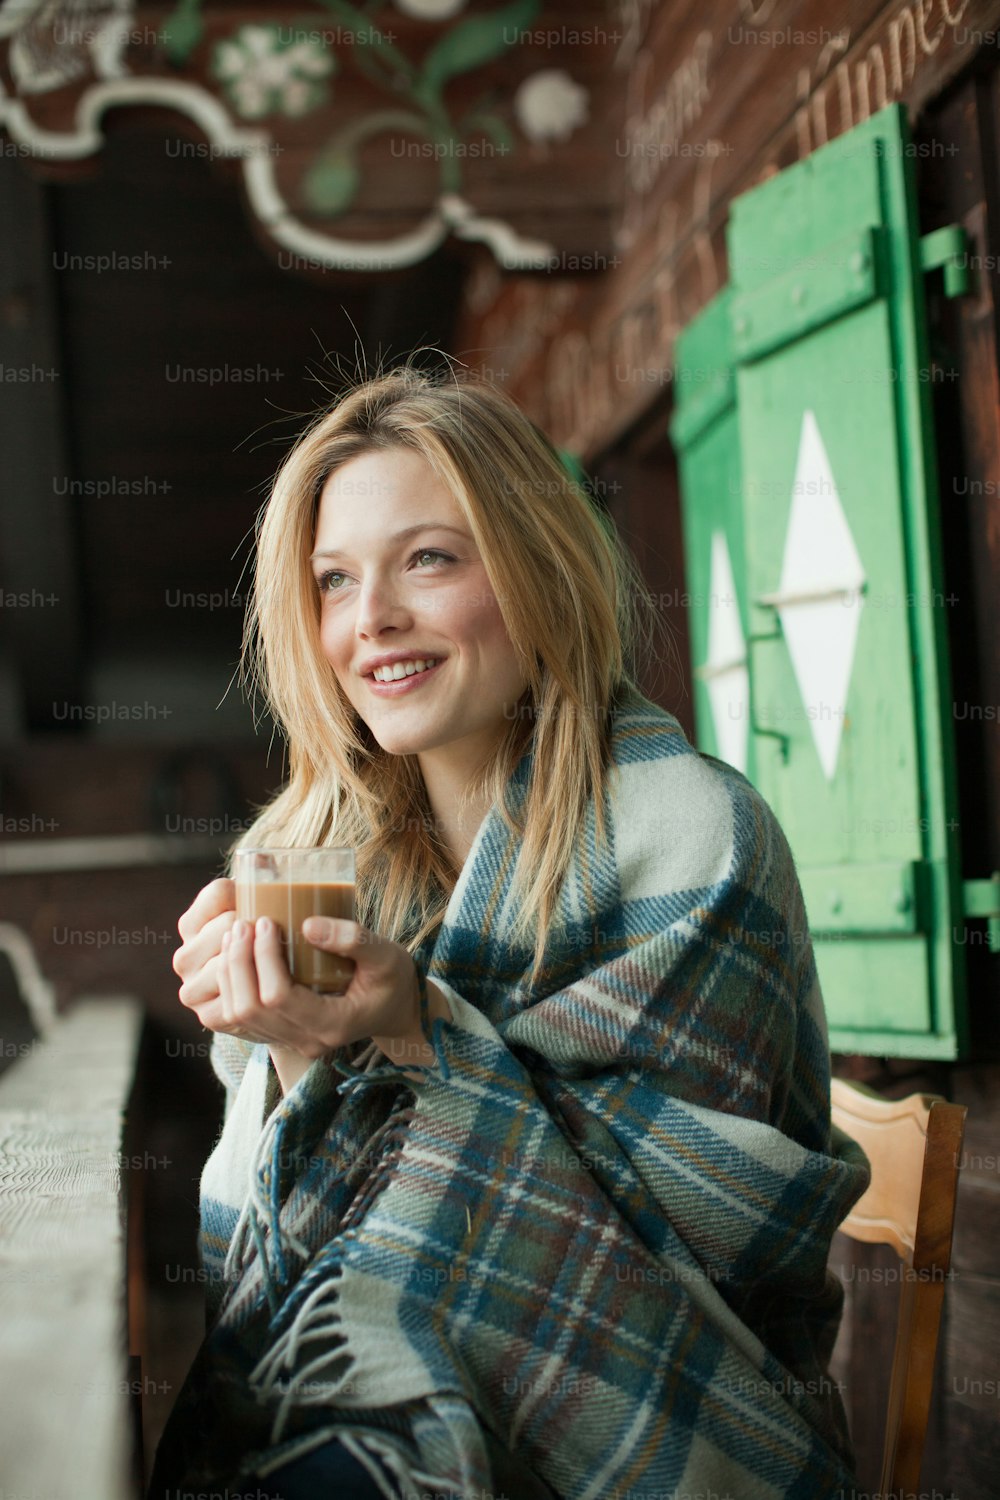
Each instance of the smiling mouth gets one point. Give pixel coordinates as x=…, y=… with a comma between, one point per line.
x=410, y=667
x=396, y=685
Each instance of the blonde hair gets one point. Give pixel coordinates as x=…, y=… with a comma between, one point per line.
x=571, y=599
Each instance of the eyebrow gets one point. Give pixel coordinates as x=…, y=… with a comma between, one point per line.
x=400, y=536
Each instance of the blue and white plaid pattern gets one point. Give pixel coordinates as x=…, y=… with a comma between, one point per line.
x=598, y=1226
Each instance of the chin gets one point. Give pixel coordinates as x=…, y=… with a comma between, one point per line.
x=400, y=744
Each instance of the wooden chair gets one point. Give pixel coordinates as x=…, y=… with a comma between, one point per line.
x=914, y=1146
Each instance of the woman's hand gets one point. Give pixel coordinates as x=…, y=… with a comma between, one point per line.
x=260, y=998
x=198, y=962
x=202, y=927
x=237, y=980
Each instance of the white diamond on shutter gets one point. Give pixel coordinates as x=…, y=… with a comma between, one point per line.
x=820, y=559
x=725, y=672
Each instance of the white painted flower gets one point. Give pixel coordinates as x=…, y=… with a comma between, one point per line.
x=549, y=105
x=268, y=69
x=430, y=10
x=55, y=41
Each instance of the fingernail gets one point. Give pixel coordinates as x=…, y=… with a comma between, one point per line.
x=319, y=929
x=239, y=931
x=263, y=926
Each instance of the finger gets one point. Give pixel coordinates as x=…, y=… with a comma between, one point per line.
x=202, y=981
x=244, y=984
x=241, y=975
x=340, y=935
x=311, y=1016
x=219, y=1015
x=212, y=1015
x=218, y=896
x=203, y=986
x=273, y=977
x=222, y=975
x=202, y=947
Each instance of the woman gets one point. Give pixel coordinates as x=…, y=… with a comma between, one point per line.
x=541, y=1205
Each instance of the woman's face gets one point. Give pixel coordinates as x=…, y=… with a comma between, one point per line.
x=399, y=574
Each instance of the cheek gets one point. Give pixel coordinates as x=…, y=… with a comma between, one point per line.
x=477, y=614
x=332, y=643
x=495, y=640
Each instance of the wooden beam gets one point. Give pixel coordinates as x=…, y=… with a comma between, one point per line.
x=40, y=619
x=64, y=1410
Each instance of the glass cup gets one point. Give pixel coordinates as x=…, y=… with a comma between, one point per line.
x=289, y=885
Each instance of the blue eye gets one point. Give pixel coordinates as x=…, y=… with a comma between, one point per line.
x=323, y=582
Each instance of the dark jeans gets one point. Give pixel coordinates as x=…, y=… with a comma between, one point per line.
x=325, y=1473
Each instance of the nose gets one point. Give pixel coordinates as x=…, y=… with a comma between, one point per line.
x=381, y=606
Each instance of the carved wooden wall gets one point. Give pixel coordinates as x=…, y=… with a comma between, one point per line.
x=704, y=101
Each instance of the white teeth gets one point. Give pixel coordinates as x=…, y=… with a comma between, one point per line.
x=404, y=669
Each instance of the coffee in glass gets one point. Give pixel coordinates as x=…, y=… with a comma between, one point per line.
x=289, y=885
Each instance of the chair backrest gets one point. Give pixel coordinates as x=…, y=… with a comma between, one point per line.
x=914, y=1146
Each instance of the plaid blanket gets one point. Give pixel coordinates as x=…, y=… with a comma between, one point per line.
x=594, y=1234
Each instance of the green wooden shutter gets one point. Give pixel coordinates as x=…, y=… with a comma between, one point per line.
x=843, y=572
x=841, y=565
x=705, y=433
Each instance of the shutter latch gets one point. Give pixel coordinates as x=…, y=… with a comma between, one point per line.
x=947, y=247
x=981, y=898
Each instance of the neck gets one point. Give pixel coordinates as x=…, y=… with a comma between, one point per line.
x=449, y=774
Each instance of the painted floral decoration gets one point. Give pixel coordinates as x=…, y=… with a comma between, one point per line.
x=56, y=41
x=265, y=68
x=430, y=10
x=272, y=69
x=549, y=105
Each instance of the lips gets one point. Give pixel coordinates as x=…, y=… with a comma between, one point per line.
x=403, y=684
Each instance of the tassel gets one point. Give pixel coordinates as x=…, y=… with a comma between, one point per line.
x=317, y=1318
x=272, y=1295
x=361, y=1445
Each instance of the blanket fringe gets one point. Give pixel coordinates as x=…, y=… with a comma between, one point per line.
x=242, y=1244
x=262, y=1204
x=259, y=1209
x=317, y=1318
x=362, y=1445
